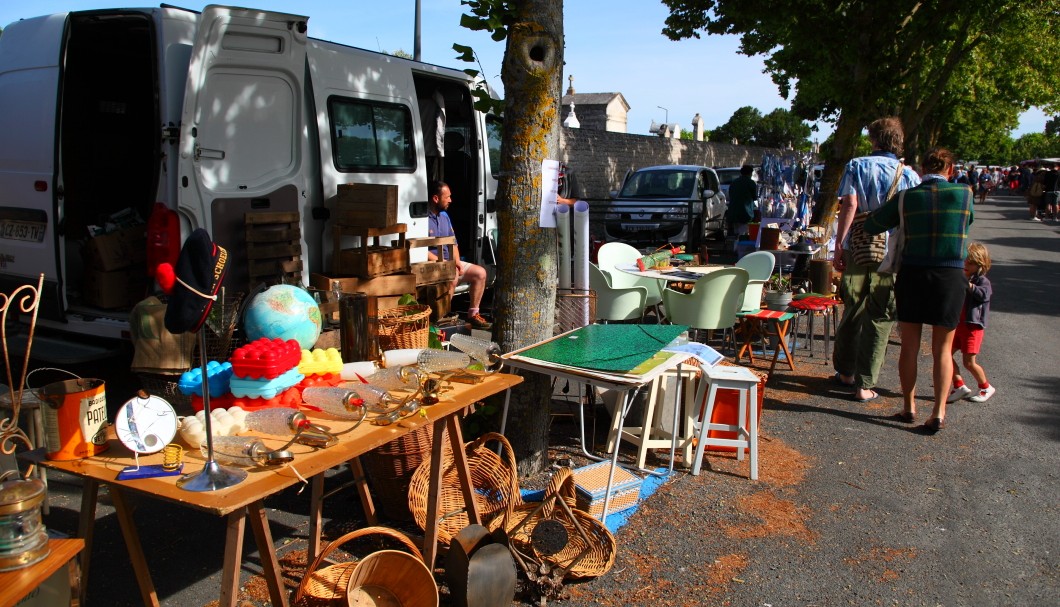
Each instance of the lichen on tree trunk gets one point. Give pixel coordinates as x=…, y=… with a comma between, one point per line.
x=526, y=284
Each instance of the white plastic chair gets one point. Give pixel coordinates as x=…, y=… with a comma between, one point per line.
x=616, y=303
x=759, y=266
x=619, y=253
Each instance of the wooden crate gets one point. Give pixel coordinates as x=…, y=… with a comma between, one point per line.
x=367, y=204
x=429, y=272
x=370, y=259
x=392, y=284
x=274, y=249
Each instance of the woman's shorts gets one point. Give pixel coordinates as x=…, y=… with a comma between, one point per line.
x=930, y=296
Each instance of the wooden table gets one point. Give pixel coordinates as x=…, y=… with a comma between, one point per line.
x=672, y=274
x=15, y=585
x=244, y=502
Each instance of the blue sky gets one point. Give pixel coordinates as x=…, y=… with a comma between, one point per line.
x=613, y=46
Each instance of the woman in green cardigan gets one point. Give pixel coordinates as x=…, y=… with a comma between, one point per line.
x=930, y=286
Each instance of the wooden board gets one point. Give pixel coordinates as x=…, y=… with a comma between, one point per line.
x=274, y=248
x=393, y=284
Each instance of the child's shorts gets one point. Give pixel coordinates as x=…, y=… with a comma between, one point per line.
x=967, y=338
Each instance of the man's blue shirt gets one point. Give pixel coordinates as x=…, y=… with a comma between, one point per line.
x=870, y=178
x=439, y=226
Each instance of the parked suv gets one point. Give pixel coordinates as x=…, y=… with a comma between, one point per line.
x=666, y=204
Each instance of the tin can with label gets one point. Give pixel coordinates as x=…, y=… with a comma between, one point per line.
x=75, y=418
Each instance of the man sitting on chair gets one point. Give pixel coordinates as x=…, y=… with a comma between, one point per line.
x=438, y=226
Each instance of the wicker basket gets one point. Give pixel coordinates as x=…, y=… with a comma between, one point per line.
x=404, y=327
x=494, y=478
x=327, y=586
x=590, y=549
x=390, y=469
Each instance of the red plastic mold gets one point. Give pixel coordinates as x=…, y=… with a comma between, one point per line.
x=291, y=398
x=266, y=358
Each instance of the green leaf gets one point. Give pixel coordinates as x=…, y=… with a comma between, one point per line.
x=464, y=53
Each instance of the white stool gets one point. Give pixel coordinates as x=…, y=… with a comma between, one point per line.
x=746, y=428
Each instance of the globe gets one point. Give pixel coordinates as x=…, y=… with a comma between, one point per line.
x=283, y=312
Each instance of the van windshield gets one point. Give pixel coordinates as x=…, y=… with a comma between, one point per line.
x=660, y=184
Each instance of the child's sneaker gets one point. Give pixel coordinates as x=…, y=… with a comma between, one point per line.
x=958, y=393
x=984, y=395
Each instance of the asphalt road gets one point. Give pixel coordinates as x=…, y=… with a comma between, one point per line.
x=852, y=508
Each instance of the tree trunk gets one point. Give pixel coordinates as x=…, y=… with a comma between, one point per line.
x=846, y=136
x=525, y=297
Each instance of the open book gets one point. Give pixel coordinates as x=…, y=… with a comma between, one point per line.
x=707, y=356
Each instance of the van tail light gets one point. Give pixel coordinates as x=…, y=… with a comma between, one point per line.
x=163, y=237
x=40, y=186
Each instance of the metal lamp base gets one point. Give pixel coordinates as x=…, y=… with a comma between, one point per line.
x=212, y=477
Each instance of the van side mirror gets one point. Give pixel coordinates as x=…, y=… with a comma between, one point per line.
x=707, y=194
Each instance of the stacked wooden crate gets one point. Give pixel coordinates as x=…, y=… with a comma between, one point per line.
x=274, y=249
x=368, y=212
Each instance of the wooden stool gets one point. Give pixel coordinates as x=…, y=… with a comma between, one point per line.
x=646, y=436
x=772, y=323
x=745, y=382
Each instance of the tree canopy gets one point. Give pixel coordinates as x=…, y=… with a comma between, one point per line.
x=933, y=64
x=777, y=129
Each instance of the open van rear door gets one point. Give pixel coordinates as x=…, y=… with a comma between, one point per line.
x=30, y=212
x=243, y=144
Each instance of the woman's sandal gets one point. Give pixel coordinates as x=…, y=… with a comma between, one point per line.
x=905, y=417
x=933, y=425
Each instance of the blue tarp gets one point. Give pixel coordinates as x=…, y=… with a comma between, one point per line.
x=616, y=520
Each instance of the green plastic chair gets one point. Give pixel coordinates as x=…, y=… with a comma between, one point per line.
x=759, y=266
x=616, y=303
x=713, y=302
x=620, y=253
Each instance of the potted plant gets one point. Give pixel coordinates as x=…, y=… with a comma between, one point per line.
x=778, y=292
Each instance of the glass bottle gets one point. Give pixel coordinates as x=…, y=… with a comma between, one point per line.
x=237, y=450
x=279, y=421
x=347, y=399
x=434, y=361
x=336, y=298
x=395, y=378
x=485, y=352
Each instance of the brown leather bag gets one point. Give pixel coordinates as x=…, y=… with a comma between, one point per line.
x=869, y=249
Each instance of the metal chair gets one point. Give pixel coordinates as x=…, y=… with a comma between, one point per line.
x=614, y=303
x=713, y=302
x=619, y=253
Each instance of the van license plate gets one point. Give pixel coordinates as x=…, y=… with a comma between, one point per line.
x=22, y=230
x=640, y=227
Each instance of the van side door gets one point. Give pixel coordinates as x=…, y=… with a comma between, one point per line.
x=243, y=141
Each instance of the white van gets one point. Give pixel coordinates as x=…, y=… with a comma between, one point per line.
x=215, y=115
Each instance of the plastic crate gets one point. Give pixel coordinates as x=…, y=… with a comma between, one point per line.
x=590, y=484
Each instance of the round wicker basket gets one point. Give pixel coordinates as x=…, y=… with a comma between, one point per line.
x=494, y=477
x=404, y=327
x=327, y=586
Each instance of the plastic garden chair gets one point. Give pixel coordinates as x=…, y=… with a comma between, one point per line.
x=713, y=302
x=620, y=253
x=615, y=303
x=759, y=266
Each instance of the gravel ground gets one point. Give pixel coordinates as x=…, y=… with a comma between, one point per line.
x=851, y=507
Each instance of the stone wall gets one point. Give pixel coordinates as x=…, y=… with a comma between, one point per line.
x=600, y=159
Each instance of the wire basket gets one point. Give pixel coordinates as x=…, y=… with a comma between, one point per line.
x=574, y=308
x=164, y=385
x=495, y=479
x=327, y=586
x=404, y=327
x=219, y=328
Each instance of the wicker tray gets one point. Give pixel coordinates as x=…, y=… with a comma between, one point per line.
x=327, y=586
x=590, y=549
x=494, y=478
x=404, y=327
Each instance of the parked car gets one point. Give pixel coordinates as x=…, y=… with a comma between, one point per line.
x=675, y=204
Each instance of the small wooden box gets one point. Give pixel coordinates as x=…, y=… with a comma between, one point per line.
x=370, y=259
x=590, y=487
x=429, y=272
x=367, y=204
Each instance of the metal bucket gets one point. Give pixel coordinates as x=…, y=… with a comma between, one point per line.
x=75, y=418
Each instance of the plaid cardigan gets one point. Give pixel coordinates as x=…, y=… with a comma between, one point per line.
x=937, y=217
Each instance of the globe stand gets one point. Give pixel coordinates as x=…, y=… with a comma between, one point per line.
x=213, y=476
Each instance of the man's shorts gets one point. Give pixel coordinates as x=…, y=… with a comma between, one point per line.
x=967, y=338
x=1049, y=199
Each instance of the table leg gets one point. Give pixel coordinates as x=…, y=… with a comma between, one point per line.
x=620, y=418
x=132, y=544
x=316, y=518
x=704, y=429
x=434, y=497
x=270, y=566
x=233, y=557
x=362, y=490
x=86, y=526
x=782, y=343
x=752, y=424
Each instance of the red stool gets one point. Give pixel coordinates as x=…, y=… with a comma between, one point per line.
x=812, y=305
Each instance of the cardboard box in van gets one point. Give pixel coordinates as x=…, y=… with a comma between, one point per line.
x=116, y=250
x=115, y=289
